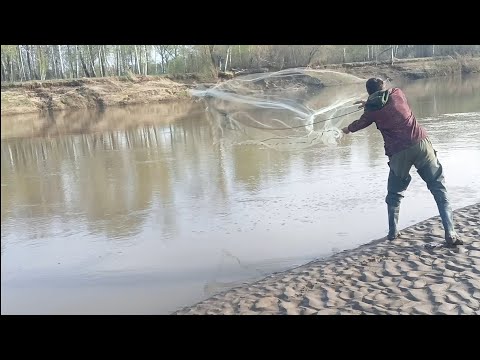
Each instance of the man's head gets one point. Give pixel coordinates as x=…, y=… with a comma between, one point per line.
x=374, y=85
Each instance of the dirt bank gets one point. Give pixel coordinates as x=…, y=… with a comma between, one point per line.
x=35, y=96
x=413, y=68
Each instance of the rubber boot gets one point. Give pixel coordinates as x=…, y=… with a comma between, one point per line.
x=433, y=176
x=393, y=212
x=451, y=236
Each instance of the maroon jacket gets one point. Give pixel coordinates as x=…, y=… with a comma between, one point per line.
x=396, y=122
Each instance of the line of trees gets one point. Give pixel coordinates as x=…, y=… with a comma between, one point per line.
x=41, y=62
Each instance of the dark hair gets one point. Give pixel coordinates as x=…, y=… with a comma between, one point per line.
x=374, y=85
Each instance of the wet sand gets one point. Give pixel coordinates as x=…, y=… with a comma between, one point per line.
x=414, y=274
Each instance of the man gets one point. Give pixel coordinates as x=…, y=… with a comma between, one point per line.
x=406, y=144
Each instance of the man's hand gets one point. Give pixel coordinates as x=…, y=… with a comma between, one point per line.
x=345, y=130
x=361, y=102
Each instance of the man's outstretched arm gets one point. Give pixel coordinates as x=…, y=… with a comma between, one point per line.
x=364, y=121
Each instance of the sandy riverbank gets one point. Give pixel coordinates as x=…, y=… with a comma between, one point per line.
x=410, y=275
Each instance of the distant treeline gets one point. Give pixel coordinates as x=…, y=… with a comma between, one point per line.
x=42, y=62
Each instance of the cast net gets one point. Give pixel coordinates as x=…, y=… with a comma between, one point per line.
x=285, y=110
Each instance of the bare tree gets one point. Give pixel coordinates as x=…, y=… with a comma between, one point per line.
x=21, y=63
x=70, y=62
x=4, y=72
x=213, y=67
x=92, y=61
x=227, y=57
x=77, y=56
x=84, y=65
x=50, y=58
x=146, y=60
x=42, y=62
x=102, y=68
x=137, y=63
x=31, y=68
x=61, y=61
